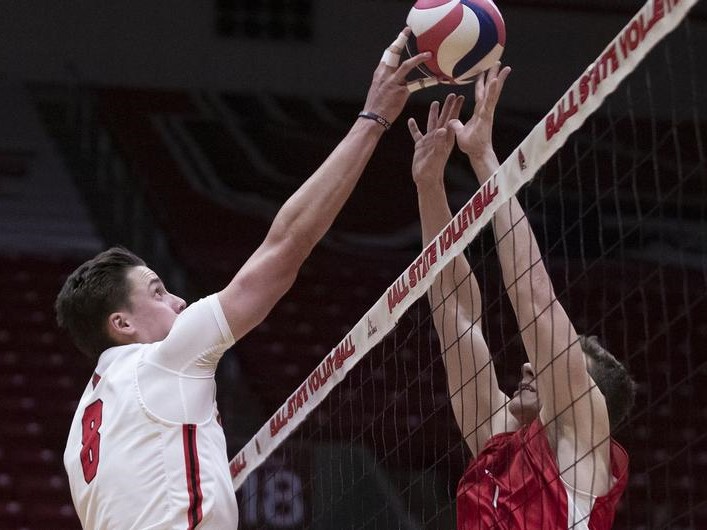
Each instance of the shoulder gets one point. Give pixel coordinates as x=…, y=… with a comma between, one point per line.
x=201, y=326
x=202, y=315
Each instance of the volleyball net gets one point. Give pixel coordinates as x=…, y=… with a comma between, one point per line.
x=368, y=439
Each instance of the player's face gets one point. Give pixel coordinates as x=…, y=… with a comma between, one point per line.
x=524, y=404
x=154, y=309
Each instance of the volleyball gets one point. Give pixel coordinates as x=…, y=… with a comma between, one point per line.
x=466, y=37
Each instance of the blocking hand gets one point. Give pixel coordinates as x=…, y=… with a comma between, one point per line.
x=432, y=149
x=388, y=92
x=474, y=137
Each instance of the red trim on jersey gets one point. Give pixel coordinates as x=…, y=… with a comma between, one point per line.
x=95, y=379
x=514, y=483
x=191, y=461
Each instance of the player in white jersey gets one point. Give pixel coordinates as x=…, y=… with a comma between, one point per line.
x=145, y=449
x=146, y=440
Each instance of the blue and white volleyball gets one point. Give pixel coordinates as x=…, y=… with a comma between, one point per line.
x=466, y=37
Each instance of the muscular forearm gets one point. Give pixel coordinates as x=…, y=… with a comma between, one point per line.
x=524, y=275
x=456, y=302
x=299, y=225
x=435, y=215
x=434, y=210
x=309, y=213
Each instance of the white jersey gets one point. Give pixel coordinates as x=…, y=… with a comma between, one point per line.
x=146, y=448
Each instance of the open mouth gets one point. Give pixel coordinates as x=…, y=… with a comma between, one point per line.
x=525, y=386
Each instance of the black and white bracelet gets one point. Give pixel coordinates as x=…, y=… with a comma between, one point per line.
x=376, y=117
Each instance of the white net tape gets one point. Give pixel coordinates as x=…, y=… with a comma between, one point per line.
x=650, y=25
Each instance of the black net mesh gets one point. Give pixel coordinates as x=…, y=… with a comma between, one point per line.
x=619, y=214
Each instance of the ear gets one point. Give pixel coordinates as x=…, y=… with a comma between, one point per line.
x=120, y=327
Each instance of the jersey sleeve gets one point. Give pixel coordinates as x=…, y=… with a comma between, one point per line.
x=195, y=344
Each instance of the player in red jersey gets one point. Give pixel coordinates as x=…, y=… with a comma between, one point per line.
x=544, y=457
x=145, y=448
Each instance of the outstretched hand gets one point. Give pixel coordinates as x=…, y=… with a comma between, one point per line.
x=388, y=92
x=474, y=137
x=432, y=149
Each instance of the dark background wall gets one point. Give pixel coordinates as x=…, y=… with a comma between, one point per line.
x=98, y=98
x=178, y=43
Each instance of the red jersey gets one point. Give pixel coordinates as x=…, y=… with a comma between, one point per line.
x=514, y=483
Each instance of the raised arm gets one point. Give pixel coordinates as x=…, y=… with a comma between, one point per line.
x=477, y=402
x=308, y=214
x=573, y=409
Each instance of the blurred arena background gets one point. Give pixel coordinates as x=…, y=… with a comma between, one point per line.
x=178, y=127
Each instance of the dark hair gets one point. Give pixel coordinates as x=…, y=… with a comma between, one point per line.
x=93, y=291
x=612, y=378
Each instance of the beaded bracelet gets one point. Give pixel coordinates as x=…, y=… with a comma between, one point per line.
x=376, y=117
